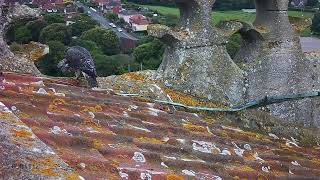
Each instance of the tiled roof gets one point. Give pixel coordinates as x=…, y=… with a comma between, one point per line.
x=139, y=19
x=102, y=135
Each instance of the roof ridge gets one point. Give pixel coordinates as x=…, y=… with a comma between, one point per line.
x=29, y=157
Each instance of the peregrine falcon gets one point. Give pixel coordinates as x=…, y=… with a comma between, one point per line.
x=79, y=60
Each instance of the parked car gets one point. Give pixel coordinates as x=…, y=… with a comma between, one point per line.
x=119, y=29
x=93, y=9
x=112, y=25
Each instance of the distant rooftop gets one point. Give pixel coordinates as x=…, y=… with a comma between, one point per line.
x=129, y=12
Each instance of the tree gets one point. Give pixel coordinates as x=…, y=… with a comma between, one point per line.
x=48, y=63
x=35, y=28
x=234, y=44
x=114, y=65
x=56, y=32
x=80, y=10
x=16, y=24
x=312, y=3
x=89, y=45
x=106, y=39
x=113, y=17
x=54, y=18
x=83, y=23
x=23, y=35
x=149, y=54
x=315, y=27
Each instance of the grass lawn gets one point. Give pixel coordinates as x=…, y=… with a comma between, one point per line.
x=221, y=15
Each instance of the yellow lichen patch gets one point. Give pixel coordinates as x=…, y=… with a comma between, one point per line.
x=92, y=123
x=195, y=127
x=5, y=115
x=98, y=108
x=71, y=176
x=59, y=101
x=262, y=29
x=22, y=115
x=174, y=177
x=134, y=76
x=21, y=133
x=189, y=100
x=151, y=140
x=47, y=172
x=45, y=166
x=315, y=160
x=97, y=144
x=28, y=89
x=52, y=107
x=88, y=109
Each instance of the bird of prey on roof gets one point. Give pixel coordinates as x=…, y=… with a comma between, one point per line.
x=79, y=60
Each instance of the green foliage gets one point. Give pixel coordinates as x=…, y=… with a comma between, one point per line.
x=233, y=5
x=15, y=47
x=54, y=18
x=106, y=39
x=56, y=32
x=312, y=3
x=113, y=17
x=149, y=54
x=48, y=63
x=89, y=45
x=154, y=2
x=220, y=4
x=17, y=23
x=315, y=27
x=23, y=35
x=234, y=44
x=35, y=28
x=114, y=65
x=83, y=23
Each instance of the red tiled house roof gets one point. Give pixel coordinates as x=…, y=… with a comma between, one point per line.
x=139, y=19
x=102, y=135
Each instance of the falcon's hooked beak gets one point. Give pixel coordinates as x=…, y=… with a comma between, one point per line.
x=63, y=66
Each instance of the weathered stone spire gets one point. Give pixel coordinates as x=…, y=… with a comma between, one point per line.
x=4, y=51
x=196, y=60
x=8, y=62
x=274, y=63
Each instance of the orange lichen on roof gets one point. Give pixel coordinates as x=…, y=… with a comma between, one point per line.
x=189, y=100
x=22, y=133
x=134, y=76
x=195, y=127
x=47, y=166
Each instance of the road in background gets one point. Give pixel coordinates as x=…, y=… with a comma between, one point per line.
x=105, y=22
x=310, y=44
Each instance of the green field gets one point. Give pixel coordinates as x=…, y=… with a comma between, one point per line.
x=221, y=15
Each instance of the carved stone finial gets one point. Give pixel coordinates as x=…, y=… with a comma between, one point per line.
x=8, y=62
x=196, y=60
x=274, y=64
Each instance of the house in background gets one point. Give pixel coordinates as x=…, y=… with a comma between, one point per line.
x=70, y=8
x=139, y=23
x=100, y=3
x=113, y=6
x=70, y=12
x=49, y=7
x=127, y=14
x=69, y=18
x=11, y=2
